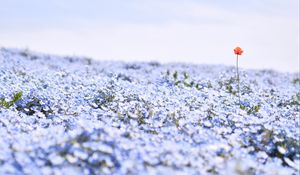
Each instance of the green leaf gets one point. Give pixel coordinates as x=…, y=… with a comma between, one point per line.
x=296, y=80
x=4, y=103
x=256, y=108
x=17, y=97
x=175, y=75
x=242, y=107
x=187, y=84
x=186, y=75
x=177, y=82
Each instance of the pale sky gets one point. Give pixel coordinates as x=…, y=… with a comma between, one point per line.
x=162, y=30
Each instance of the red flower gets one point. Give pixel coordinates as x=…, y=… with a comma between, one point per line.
x=238, y=51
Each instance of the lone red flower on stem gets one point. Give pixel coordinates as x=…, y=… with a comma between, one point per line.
x=238, y=51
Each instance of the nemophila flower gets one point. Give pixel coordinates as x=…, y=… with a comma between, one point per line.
x=238, y=51
x=85, y=115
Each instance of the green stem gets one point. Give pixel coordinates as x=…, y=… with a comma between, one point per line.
x=238, y=77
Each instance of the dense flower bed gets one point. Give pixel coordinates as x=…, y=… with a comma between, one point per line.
x=72, y=115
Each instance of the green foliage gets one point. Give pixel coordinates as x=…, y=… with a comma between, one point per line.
x=177, y=83
x=198, y=87
x=211, y=112
x=294, y=101
x=250, y=110
x=152, y=132
x=256, y=108
x=168, y=72
x=230, y=90
x=270, y=139
x=141, y=120
x=298, y=96
x=34, y=104
x=184, y=79
x=187, y=84
x=228, y=85
x=243, y=107
x=175, y=75
x=186, y=75
x=177, y=122
x=3, y=103
x=103, y=98
x=16, y=97
x=296, y=80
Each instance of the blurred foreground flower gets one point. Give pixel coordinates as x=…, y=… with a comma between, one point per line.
x=238, y=51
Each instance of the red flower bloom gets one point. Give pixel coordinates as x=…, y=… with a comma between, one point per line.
x=238, y=51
